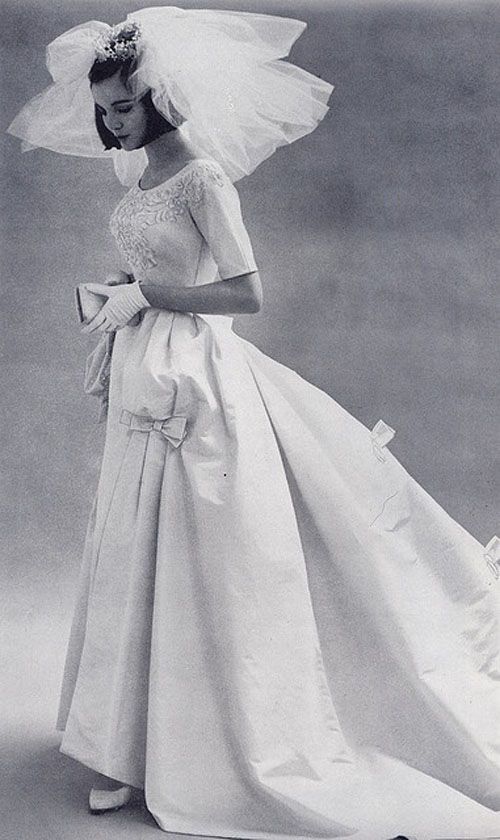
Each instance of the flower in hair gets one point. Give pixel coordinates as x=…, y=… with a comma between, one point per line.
x=119, y=43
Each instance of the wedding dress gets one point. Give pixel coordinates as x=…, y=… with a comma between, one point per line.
x=278, y=632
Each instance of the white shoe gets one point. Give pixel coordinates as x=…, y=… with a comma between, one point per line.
x=101, y=801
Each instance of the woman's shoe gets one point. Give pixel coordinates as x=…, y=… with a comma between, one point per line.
x=102, y=801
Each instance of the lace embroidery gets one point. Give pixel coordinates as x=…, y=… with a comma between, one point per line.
x=139, y=209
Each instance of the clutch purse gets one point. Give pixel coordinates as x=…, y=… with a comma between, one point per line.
x=88, y=304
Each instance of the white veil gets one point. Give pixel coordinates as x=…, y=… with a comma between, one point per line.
x=222, y=71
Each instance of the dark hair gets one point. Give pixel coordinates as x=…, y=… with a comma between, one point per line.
x=156, y=124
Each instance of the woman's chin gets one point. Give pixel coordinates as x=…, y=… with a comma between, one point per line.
x=128, y=144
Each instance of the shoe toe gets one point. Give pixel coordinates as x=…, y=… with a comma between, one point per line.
x=108, y=800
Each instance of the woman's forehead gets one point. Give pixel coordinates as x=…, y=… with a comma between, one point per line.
x=110, y=91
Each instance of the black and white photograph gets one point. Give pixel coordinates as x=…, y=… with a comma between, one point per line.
x=250, y=568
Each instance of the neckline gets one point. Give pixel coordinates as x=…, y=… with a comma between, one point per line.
x=167, y=181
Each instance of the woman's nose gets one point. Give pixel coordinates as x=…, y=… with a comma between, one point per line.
x=115, y=124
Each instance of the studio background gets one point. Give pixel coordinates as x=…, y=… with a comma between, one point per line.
x=376, y=239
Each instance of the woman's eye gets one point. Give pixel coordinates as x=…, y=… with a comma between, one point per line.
x=123, y=110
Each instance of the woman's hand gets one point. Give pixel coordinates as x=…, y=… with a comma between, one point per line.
x=124, y=301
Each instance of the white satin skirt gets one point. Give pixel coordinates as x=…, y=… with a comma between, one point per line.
x=278, y=633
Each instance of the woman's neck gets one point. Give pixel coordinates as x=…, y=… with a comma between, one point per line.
x=167, y=152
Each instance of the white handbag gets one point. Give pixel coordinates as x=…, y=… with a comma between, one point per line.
x=88, y=304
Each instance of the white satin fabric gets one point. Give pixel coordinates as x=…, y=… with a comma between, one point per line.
x=278, y=632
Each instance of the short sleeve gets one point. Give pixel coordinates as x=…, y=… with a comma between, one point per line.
x=216, y=211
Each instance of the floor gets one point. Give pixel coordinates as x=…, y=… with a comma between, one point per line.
x=43, y=794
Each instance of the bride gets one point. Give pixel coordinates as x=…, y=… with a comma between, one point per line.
x=278, y=633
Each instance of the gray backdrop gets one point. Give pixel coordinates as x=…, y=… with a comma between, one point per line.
x=376, y=239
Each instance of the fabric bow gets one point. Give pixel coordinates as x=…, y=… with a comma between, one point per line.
x=381, y=434
x=492, y=556
x=173, y=428
x=70, y=56
x=97, y=373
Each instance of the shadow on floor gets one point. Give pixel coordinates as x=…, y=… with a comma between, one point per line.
x=44, y=796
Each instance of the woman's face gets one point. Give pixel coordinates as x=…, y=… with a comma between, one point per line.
x=123, y=114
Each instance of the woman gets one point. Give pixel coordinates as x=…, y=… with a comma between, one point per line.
x=277, y=631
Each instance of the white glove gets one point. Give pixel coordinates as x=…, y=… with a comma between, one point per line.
x=124, y=301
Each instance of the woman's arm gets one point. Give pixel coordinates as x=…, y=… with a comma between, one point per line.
x=234, y=295
x=239, y=294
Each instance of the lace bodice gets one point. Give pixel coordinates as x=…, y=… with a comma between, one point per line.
x=175, y=232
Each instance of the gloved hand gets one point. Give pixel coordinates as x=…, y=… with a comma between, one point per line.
x=124, y=301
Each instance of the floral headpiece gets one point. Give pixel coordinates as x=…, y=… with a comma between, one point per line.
x=119, y=43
